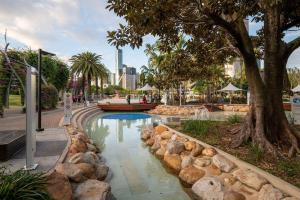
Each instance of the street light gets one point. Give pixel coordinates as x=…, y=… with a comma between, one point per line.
x=39, y=92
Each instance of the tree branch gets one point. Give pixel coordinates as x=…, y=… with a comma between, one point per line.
x=292, y=46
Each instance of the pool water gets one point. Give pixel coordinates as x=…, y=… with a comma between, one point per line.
x=136, y=173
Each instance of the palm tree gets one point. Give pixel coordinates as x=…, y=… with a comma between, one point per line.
x=88, y=65
x=101, y=73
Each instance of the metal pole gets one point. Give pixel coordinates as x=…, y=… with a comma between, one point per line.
x=39, y=128
x=29, y=125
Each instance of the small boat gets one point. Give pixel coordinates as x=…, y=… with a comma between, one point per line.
x=126, y=107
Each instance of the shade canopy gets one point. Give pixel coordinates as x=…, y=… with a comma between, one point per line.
x=230, y=88
x=147, y=87
x=296, y=89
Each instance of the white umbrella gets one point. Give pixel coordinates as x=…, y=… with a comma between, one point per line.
x=296, y=89
x=230, y=89
x=147, y=87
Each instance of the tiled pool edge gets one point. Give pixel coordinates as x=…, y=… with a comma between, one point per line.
x=275, y=181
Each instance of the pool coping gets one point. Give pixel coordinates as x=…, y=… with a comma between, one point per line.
x=275, y=181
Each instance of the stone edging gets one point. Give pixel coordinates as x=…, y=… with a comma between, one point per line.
x=275, y=181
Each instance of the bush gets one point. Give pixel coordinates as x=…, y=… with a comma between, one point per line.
x=235, y=119
x=49, y=97
x=199, y=127
x=21, y=185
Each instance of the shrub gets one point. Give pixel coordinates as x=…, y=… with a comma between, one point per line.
x=235, y=119
x=49, y=97
x=21, y=185
x=199, y=127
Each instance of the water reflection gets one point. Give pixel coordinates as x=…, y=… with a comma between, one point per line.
x=137, y=174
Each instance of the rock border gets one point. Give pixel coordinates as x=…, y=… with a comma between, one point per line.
x=212, y=173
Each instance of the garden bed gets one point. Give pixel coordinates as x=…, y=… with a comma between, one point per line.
x=218, y=134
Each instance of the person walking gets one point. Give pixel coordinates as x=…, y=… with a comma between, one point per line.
x=128, y=98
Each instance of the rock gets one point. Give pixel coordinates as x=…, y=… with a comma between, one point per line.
x=181, y=139
x=71, y=171
x=228, y=179
x=160, y=129
x=268, y=192
x=223, y=163
x=208, y=188
x=201, y=162
x=83, y=137
x=166, y=135
x=86, y=169
x=174, y=136
x=161, y=152
x=175, y=147
x=163, y=143
x=92, y=190
x=290, y=198
x=145, y=135
x=59, y=187
x=156, y=144
x=150, y=142
x=101, y=171
x=92, y=148
x=186, y=161
x=209, y=152
x=197, y=150
x=173, y=161
x=79, y=144
x=190, y=145
x=213, y=170
x=232, y=195
x=191, y=174
x=88, y=157
x=73, y=149
x=250, y=178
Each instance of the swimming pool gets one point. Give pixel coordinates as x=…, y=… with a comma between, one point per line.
x=136, y=173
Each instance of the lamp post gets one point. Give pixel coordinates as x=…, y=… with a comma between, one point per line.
x=39, y=91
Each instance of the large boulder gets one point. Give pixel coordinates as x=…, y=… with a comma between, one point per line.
x=71, y=171
x=145, y=134
x=160, y=129
x=166, y=135
x=101, y=171
x=173, y=161
x=268, y=192
x=186, y=161
x=201, y=162
x=161, y=152
x=82, y=136
x=223, y=163
x=59, y=187
x=209, y=188
x=175, y=147
x=87, y=170
x=197, y=150
x=189, y=145
x=150, y=141
x=209, y=152
x=92, y=190
x=191, y=174
x=79, y=144
x=88, y=157
x=92, y=148
x=250, y=178
x=156, y=144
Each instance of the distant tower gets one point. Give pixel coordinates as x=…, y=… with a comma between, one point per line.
x=119, y=65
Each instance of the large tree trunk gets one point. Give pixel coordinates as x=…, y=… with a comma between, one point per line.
x=102, y=91
x=266, y=123
x=89, y=87
x=97, y=87
x=83, y=85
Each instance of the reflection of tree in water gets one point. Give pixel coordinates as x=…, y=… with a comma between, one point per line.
x=99, y=132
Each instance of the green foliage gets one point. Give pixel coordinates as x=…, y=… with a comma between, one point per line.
x=61, y=79
x=294, y=76
x=21, y=185
x=290, y=168
x=111, y=90
x=199, y=127
x=256, y=153
x=15, y=100
x=235, y=119
x=49, y=97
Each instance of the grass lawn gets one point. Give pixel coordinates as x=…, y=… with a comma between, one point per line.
x=218, y=134
x=15, y=100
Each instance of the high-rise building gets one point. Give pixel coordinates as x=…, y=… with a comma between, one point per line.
x=129, y=78
x=119, y=66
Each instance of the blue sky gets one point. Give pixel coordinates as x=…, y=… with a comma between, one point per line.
x=68, y=27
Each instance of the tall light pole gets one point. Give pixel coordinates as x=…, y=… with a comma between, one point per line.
x=39, y=89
